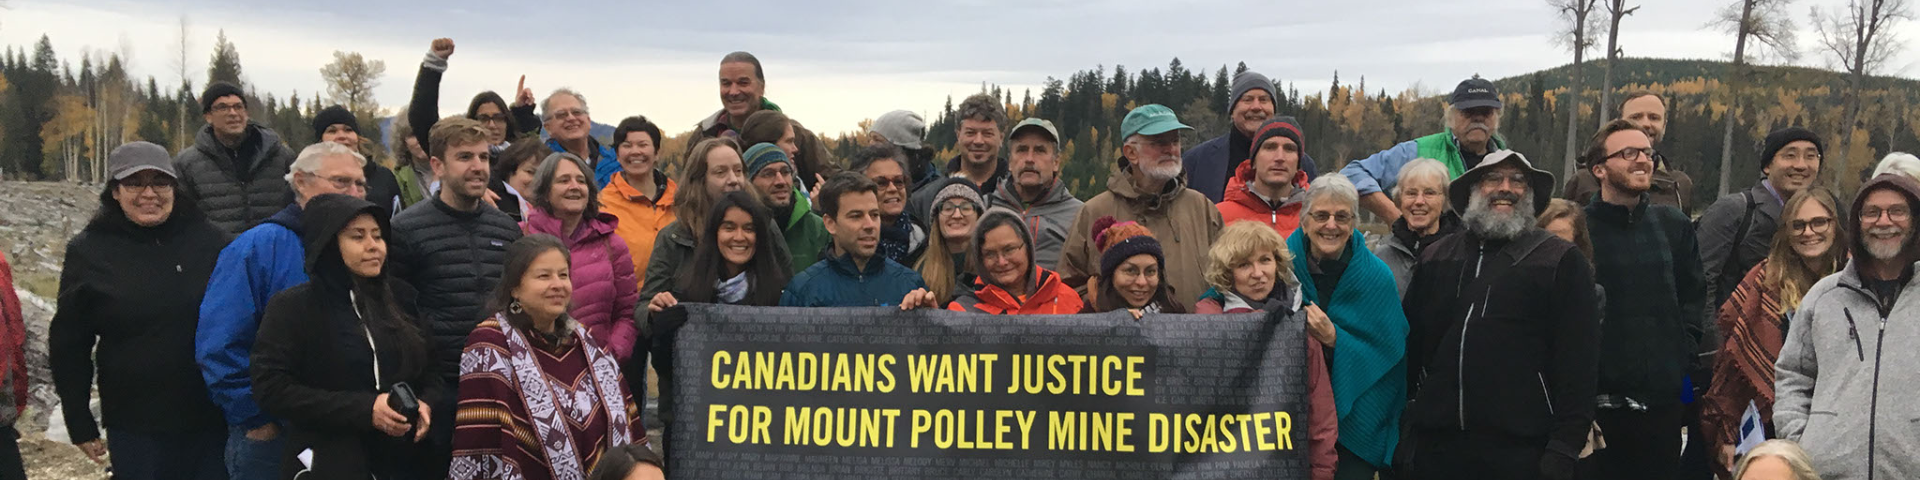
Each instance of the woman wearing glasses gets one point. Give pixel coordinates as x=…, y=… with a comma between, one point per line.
x=132, y=286
x=1808, y=246
x=1366, y=352
x=1011, y=282
x=955, y=210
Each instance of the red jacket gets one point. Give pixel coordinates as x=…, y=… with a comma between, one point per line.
x=13, y=342
x=1242, y=204
x=1324, y=420
x=1052, y=298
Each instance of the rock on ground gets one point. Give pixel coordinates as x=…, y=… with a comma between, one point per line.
x=36, y=220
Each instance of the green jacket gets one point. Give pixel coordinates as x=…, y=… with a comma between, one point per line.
x=805, y=233
x=413, y=189
x=1380, y=172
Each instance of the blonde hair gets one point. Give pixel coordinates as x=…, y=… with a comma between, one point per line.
x=1241, y=241
x=936, y=268
x=1796, y=459
x=1786, y=273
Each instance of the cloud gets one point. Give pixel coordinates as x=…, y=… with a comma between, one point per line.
x=834, y=64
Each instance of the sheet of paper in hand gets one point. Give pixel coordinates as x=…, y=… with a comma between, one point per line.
x=865, y=393
x=1752, y=432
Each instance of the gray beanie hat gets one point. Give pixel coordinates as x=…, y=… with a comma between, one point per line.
x=1249, y=80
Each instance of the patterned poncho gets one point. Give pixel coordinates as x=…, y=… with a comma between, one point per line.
x=534, y=409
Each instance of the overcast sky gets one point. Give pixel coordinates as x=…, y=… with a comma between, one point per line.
x=831, y=64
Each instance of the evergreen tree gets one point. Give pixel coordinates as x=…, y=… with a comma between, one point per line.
x=225, y=64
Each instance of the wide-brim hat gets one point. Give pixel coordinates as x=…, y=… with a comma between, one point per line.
x=1539, y=182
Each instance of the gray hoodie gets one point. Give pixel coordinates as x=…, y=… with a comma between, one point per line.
x=1047, y=220
x=1848, y=368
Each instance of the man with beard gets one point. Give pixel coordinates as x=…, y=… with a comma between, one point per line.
x=452, y=249
x=1646, y=259
x=570, y=130
x=771, y=173
x=901, y=238
x=1850, y=345
x=1211, y=165
x=1036, y=191
x=743, y=91
x=1509, y=309
x=1264, y=189
x=1146, y=186
x=1648, y=111
x=982, y=120
x=1473, y=130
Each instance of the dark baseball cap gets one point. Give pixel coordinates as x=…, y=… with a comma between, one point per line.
x=1475, y=92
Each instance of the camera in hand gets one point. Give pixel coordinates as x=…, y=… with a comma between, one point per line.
x=402, y=400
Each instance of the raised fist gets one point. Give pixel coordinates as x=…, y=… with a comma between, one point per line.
x=442, y=47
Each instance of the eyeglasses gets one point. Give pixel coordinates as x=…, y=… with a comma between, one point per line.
x=1495, y=179
x=1899, y=213
x=1321, y=217
x=772, y=171
x=568, y=113
x=889, y=182
x=1006, y=253
x=1796, y=156
x=489, y=119
x=229, y=108
x=157, y=185
x=1818, y=224
x=957, y=208
x=1632, y=154
x=345, y=183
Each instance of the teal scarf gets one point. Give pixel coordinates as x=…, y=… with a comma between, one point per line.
x=1370, y=348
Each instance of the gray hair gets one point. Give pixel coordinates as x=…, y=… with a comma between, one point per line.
x=311, y=157
x=1335, y=186
x=546, y=112
x=1899, y=162
x=543, y=183
x=1788, y=452
x=1422, y=168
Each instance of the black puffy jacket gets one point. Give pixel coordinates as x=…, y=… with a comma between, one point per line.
x=453, y=259
x=236, y=194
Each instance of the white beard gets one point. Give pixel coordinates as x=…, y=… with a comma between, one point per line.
x=1483, y=221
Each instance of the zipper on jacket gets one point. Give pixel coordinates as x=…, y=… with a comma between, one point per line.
x=354, y=302
x=1460, y=360
x=1545, y=392
x=1854, y=333
x=1873, y=402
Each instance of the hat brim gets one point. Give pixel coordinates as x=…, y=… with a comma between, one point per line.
x=131, y=171
x=1157, y=128
x=1472, y=104
x=1033, y=126
x=1539, y=183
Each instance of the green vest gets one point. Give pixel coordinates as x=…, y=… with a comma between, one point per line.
x=1441, y=146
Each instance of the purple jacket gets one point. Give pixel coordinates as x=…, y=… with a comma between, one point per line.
x=605, y=288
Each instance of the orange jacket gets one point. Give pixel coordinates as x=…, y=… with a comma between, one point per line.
x=1242, y=204
x=641, y=218
x=1052, y=298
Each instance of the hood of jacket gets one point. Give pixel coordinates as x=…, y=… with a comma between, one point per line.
x=1009, y=194
x=1905, y=186
x=1046, y=285
x=324, y=217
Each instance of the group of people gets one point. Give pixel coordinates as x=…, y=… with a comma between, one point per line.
x=489, y=306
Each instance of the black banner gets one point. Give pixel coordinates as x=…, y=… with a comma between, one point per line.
x=871, y=393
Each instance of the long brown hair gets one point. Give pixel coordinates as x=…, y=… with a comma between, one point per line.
x=1785, y=272
x=692, y=201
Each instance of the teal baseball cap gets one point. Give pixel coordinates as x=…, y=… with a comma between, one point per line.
x=1153, y=119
